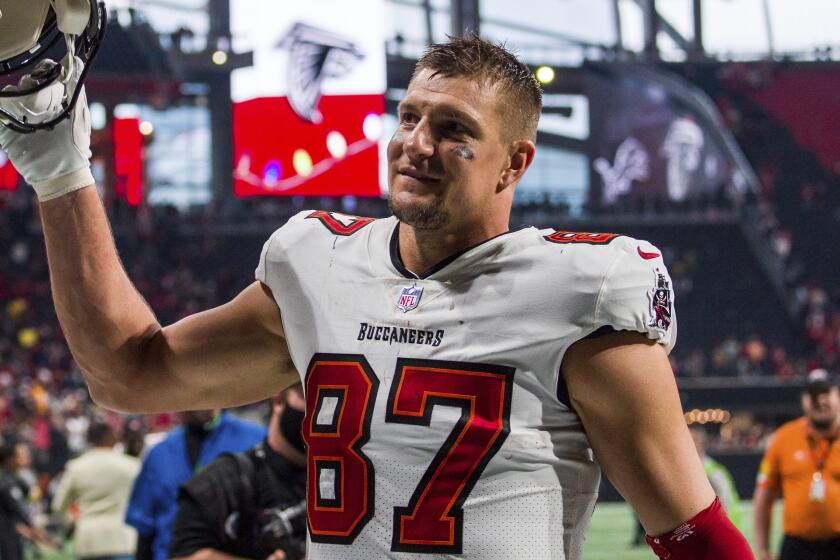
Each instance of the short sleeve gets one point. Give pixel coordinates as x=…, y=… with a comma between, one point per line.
x=769, y=472
x=274, y=250
x=260, y=272
x=637, y=294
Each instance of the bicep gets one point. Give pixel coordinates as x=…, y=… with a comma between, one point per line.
x=624, y=390
x=227, y=356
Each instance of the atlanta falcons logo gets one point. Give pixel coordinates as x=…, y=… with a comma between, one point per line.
x=314, y=55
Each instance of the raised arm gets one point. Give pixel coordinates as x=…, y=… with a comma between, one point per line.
x=230, y=355
x=622, y=386
x=226, y=356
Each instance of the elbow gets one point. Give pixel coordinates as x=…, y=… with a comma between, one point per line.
x=118, y=376
x=115, y=395
x=104, y=396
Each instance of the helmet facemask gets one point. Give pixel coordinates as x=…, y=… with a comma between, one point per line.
x=35, y=92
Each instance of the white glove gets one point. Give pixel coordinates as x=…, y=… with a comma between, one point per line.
x=55, y=162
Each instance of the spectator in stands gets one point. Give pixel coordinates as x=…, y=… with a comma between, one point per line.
x=98, y=483
x=15, y=519
x=204, y=436
x=719, y=477
x=252, y=504
x=800, y=465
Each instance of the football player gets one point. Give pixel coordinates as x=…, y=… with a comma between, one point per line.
x=464, y=383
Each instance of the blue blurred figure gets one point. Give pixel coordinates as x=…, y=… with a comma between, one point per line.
x=204, y=435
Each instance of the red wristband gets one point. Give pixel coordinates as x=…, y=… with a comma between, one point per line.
x=709, y=535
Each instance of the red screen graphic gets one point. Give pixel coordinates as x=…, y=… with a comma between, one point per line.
x=279, y=154
x=8, y=174
x=128, y=160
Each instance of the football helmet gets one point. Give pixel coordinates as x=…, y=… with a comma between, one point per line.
x=36, y=93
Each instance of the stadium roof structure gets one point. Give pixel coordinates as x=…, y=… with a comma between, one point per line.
x=558, y=31
x=570, y=31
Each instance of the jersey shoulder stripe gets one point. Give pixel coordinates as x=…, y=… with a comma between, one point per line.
x=626, y=278
x=340, y=224
x=567, y=237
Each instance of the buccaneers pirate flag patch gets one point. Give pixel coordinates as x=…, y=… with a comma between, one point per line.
x=660, y=302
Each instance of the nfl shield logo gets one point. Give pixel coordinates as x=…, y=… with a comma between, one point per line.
x=409, y=298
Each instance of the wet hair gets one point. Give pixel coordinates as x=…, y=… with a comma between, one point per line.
x=490, y=64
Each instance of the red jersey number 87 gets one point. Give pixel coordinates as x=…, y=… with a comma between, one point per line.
x=340, y=393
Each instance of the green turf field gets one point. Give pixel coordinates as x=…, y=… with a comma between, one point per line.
x=608, y=538
x=613, y=525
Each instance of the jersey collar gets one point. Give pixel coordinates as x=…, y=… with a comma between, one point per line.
x=397, y=262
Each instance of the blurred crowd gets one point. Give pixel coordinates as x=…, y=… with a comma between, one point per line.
x=798, y=209
x=44, y=403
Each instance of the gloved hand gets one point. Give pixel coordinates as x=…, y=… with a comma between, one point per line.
x=55, y=162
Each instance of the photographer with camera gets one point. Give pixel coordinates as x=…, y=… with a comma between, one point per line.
x=251, y=504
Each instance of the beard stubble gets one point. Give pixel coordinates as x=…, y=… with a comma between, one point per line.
x=428, y=216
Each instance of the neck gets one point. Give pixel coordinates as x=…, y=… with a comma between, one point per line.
x=422, y=249
x=829, y=431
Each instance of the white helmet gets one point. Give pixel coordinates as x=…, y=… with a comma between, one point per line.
x=39, y=93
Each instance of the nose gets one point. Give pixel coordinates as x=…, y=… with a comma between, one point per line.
x=419, y=144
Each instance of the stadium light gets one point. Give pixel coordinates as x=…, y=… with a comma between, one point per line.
x=710, y=416
x=545, y=74
x=98, y=116
x=220, y=58
x=302, y=162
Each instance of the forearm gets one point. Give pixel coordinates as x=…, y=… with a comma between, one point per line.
x=645, y=475
x=105, y=320
x=623, y=384
x=25, y=531
x=762, y=517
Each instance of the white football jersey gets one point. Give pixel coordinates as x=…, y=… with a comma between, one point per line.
x=437, y=422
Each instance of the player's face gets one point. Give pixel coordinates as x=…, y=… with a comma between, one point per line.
x=446, y=159
x=822, y=408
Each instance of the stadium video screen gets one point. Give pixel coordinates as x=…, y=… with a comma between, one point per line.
x=308, y=115
x=647, y=143
x=8, y=175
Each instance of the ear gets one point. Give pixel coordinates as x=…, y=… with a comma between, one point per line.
x=519, y=160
